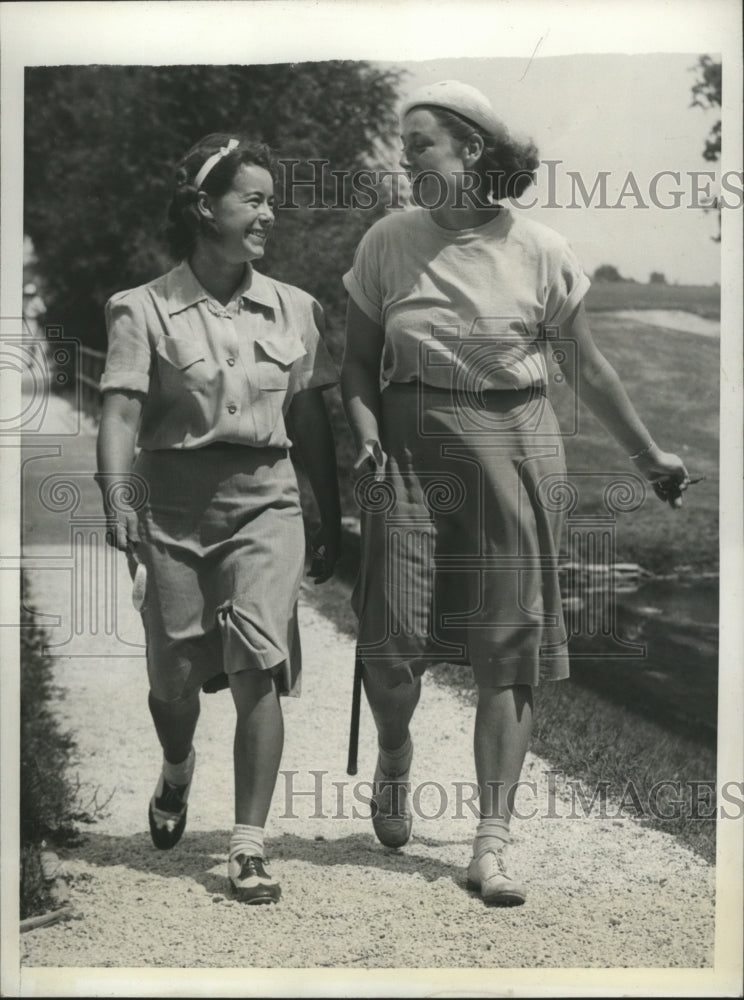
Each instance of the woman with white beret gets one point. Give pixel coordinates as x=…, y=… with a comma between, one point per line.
x=453, y=307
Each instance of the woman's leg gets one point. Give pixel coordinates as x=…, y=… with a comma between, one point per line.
x=392, y=708
x=503, y=725
x=258, y=745
x=257, y=750
x=175, y=724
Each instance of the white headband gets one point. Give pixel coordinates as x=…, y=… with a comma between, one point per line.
x=213, y=160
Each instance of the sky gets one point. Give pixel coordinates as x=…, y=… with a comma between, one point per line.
x=561, y=72
x=619, y=114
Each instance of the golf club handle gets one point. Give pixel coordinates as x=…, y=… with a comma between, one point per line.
x=356, y=701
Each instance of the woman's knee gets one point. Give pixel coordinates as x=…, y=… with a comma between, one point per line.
x=519, y=695
x=398, y=681
x=249, y=687
x=487, y=687
x=185, y=703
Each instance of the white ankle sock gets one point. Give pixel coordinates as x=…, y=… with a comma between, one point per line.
x=396, y=762
x=248, y=840
x=491, y=835
x=179, y=774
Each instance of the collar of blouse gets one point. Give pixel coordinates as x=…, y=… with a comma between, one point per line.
x=184, y=290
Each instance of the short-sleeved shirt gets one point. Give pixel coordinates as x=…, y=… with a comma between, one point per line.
x=211, y=372
x=468, y=306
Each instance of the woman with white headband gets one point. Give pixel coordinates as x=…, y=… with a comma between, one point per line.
x=216, y=371
x=453, y=306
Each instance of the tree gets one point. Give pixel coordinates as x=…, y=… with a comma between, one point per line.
x=100, y=146
x=607, y=272
x=101, y=143
x=707, y=93
x=657, y=278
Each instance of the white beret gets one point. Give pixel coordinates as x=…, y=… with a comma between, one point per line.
x=461, y=98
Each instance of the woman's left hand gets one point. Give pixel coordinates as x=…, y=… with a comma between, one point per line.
x=667, y=474
x=326, y=548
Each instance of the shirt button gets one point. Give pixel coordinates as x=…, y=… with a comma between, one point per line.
x=232, y=408
x=231, y=361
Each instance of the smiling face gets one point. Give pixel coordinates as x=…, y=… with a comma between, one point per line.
x=242, y=218
x=434, y=160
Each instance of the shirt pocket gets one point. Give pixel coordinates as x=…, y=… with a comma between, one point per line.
x=274, y=360
x=183, y=365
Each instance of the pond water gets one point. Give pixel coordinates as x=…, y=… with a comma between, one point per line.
x=661, y=657
x=674, y=676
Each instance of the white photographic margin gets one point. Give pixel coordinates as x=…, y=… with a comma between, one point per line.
x=247, y=31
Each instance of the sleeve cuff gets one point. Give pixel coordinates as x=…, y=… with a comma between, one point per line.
x=134, y=381
x=576, y=295
x=352, y=286
x=324, y=379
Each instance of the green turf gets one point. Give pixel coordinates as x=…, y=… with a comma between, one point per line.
x=703, y=300
x=672, y=378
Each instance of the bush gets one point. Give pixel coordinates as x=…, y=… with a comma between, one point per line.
x=109, y=137
x=48, y=797
x=607, y=272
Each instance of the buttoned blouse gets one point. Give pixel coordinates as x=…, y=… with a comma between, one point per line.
x=211, y=372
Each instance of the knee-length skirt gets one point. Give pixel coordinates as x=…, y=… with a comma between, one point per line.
x=222, y=539
x=460, y=541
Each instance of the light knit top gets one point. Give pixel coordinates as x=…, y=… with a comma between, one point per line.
x=469, y=306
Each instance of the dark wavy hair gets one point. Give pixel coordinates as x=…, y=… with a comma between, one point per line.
x=184, y=222
x=507, y=166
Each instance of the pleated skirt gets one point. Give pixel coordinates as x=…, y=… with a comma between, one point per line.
x=460, y=542
x=223, y=544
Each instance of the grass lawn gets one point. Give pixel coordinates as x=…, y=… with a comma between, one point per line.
x=672, y=378
x=704, y=300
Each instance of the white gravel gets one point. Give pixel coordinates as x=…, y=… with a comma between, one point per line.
x=602, y=893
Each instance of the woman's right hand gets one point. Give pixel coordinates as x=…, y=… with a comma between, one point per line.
x=122, y=528
x=667, y=474
x=372, y=457
x=121, y=490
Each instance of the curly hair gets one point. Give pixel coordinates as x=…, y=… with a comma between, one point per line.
x=507, y=166
x=184, y=221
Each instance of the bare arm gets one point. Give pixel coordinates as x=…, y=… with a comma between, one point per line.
x=597, y=384
x=312, y=435
x=117, y=434
x=360, y=380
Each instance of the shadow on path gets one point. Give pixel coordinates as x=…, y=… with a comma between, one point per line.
x=198, y=854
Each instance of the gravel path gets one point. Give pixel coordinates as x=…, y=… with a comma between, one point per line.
x=602, y=892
